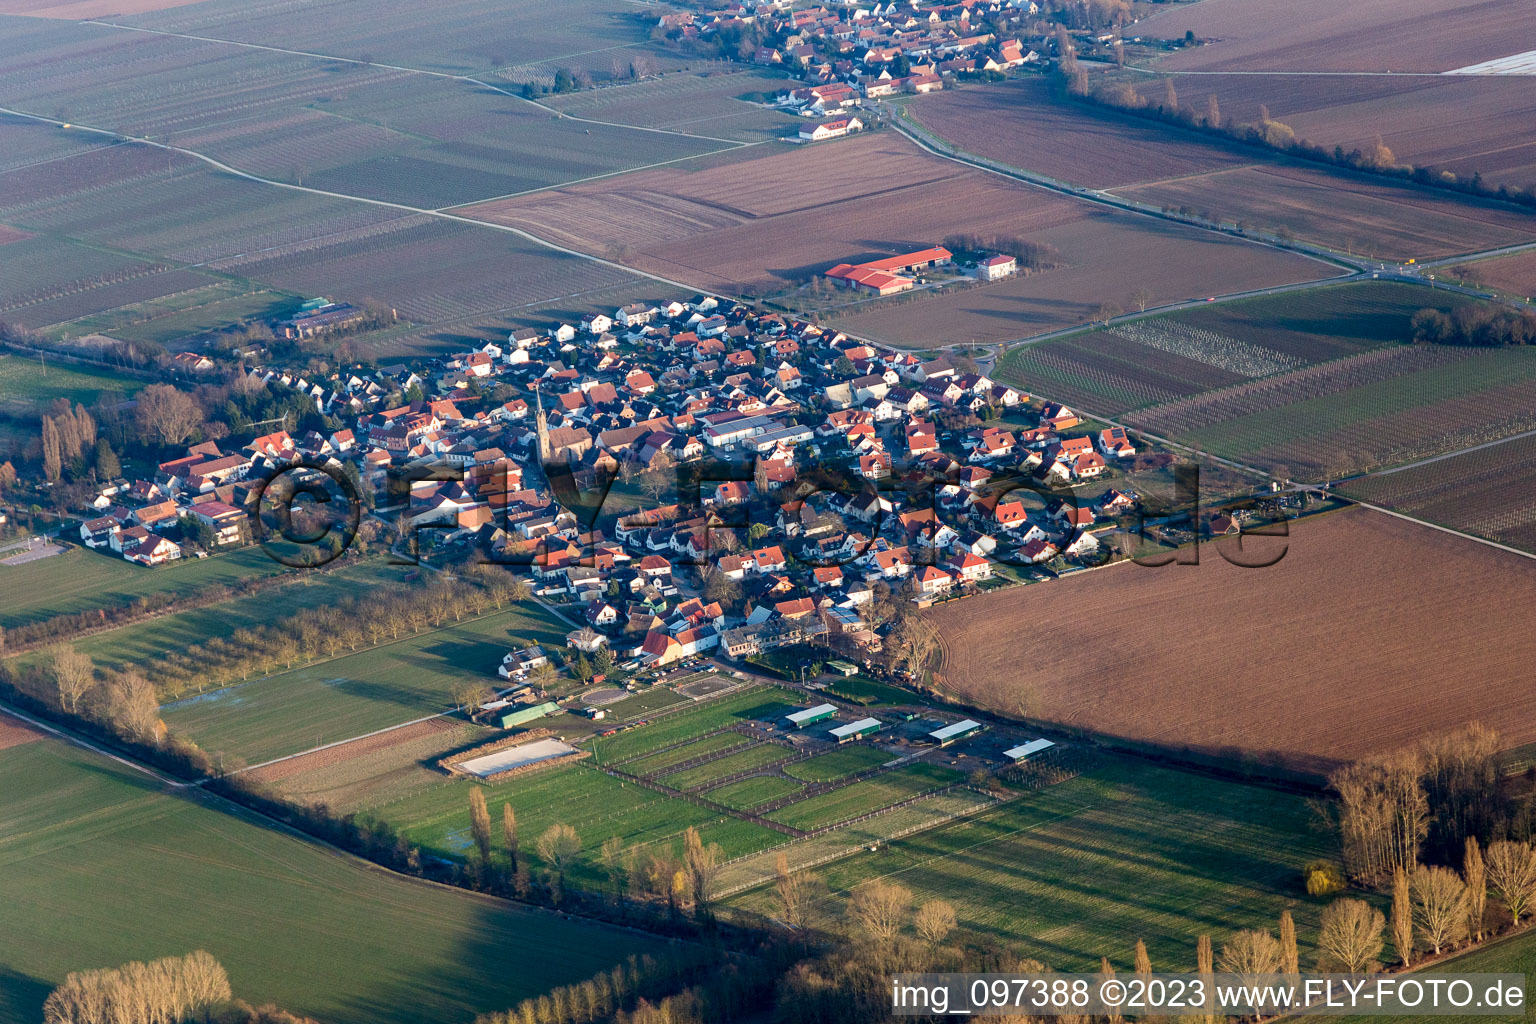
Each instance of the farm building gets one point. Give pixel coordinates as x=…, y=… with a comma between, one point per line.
x=856, y=730
x=810, y=716
x=527, y=714
x=1023, y=752
x=954, y=731
x=842, y=668
x=886, y=276
x=830, y=129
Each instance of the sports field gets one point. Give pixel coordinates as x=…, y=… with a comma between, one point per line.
x=358, y=693
x=1084, y=868
x=681, y=726
x=81, y=580
x=100, y=865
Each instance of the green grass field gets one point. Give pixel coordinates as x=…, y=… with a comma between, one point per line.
x=745, y=794
x=100, y=865
x=715, y=714
x=863, y=690
x=835, y=764
x=358, y=693
x=596, y=805
x=81, y=580
x=861, y=797
x=1515, y=955
x=742, y=760
x=1082, y=869
x=169, y=317
x=665, y=760
x=24, y=380
x=144, y=641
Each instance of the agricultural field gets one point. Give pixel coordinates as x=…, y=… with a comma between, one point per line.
x=358, y=129
x=26, y=383
x=462, y=36
x=80, y=580
x=1316, y=35
x=1082, y=869
x=374, y=770
x=1466, y=124
x=449, y=279
x=1162, y=359
x=731, y=226
x=90, y=845
x=1381, y=408
x=596, y=805
x=1488, y=492
x=1023, y=123
x=348, y=696
x=1513, y=275
x=1172, y=656
x=727, y=104
x=1346, y=211
x=851, y=801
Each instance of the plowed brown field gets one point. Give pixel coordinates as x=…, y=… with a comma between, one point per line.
x=14, y=732
x=777, y=220
x=1370, y=633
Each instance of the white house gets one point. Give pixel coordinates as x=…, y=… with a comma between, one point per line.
x=994, y=268
x=830, y=129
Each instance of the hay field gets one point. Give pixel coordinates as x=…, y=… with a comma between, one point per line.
x=1370, y=633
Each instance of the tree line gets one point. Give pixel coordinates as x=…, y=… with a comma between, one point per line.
x=171, y=990
x=1483, y=324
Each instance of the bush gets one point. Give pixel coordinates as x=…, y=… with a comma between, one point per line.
x=1323, y=878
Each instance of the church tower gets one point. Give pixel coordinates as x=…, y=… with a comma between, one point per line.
x=541, y=424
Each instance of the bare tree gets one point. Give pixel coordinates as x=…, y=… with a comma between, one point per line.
x=1205, y=966
x=1349, y=936
x=167, y=415
x=1512, y=874
x=133, y=707
x=1402, y=917
x=880, y=908
x=1476, y=874
x=558, y=847
x=480, y=825
x=934, y=920
x=790, y=887
x=703, y=864
x=1439, y=905
x=1290, y=957
x=1141, y=298
x=74, y=676
x=509, y=835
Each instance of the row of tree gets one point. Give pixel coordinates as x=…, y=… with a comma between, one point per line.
x=165, y=991
x=1481, y=324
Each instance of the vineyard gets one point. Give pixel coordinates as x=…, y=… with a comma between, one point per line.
x=1453, y=399
x=1202, y=346
x=1110, y=372
x=1490, y=492
x=1199, y=412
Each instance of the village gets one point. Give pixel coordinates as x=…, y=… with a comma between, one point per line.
x=694, y=479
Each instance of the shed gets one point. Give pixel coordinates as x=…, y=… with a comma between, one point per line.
x=856, y=730
x=528, y=714
x=954, y=731
x=810, y=716
x=1025, y=751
